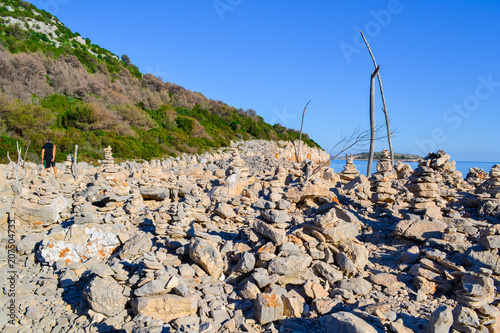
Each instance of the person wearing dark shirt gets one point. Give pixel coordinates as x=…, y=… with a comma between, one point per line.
x=49, y=156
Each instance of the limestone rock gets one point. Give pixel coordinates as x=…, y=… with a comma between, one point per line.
x=224, y=210
x=358, y=286
x=165, y=307
x=440, y=321
x=39, y=215
x=329, y=272
x=155, y=193
x=289, y=265
x=135, y=246
x=268, y=308
x=276, y=235
x=205, y=254
x=105, y=296
x=78, y=243
x=346, y=322
x=420, y=230
x=384, y=279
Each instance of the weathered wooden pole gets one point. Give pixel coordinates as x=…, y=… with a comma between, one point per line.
x=297, y=151
x=383, y=100
x=372, y=121
x=75, y=162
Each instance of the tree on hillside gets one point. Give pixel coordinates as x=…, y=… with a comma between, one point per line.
x=126, y=60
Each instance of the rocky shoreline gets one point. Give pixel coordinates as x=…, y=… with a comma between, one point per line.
x=246, y=240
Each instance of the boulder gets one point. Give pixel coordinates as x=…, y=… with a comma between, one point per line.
x=268, y=308
x=165, y=307
x=346, y=322
x=420, y=230
x=80, y=242
x=155, y=193
x=289, y=265
x=39, y=215
x=278, y=236
x=105, y=296
x=224, y=210
x=205, y=254
x=440, y=320
x=357, y=286
x=329, y=272
x=135, y=246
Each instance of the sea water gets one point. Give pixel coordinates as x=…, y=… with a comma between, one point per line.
x=462, y=166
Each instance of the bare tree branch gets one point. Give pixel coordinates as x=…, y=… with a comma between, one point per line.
x=26, y=152
x=349, y=141
x=297, y=150
x=383, y=99
x=372, y=121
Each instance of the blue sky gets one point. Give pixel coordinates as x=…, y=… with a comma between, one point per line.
x=439, y=62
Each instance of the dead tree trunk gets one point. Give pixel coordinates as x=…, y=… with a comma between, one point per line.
x=383, y=100
x=74, y=162
x=297, y=150
x=26, y=153
x=372, y=121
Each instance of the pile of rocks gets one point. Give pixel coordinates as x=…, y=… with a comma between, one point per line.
x=381, y=181
x=108, y=162
x=491, y=186
x=423, y=185
x=241, y=240
x=350, y=171
x=476, y=176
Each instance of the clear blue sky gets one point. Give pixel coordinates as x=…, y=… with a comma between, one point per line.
x=439, y=62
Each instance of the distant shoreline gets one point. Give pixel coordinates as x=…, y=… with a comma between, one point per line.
x=365, y=159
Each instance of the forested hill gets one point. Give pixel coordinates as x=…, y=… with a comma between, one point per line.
x=55, y=83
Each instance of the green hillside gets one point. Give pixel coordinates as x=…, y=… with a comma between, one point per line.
x=55, y=83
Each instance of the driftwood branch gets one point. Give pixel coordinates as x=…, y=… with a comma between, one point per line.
x=348, y=141
x=26, y=153
x=75, y=162
x=372, y=122
x=297, y=149
x=383, y=99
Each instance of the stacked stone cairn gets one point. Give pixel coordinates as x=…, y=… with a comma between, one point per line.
x=492, y=185
x=381, y=181
x=68, y=164
x=350, y=172
x=108, y=162
x=423, y=185
x=449, y=179
x=476, y=176
x=475, y=293
x=489, y=193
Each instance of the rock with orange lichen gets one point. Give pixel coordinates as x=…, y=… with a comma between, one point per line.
x=80, y=242
x=268, y=308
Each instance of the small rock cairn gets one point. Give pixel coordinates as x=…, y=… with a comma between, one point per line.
x=448, y=176
x=108, y=162
x=237, y=164
x=492, y=185
x=68, y=164
x=423, y=185
x=381, y=181
x=476, y=176
x=350, y=172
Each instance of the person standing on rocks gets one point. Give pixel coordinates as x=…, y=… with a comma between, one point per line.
x=49, y=156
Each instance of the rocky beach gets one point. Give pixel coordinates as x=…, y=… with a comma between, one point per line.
x=245, y=239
